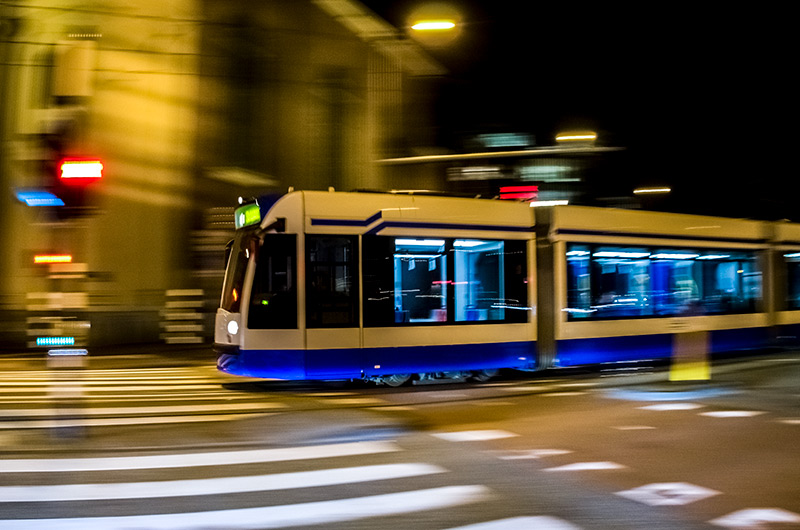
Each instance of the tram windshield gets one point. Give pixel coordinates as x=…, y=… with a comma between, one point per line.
x=240, y=250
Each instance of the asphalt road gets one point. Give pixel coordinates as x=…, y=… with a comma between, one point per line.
x=164, y=441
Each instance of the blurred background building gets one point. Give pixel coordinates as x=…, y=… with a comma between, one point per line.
x=190, y=104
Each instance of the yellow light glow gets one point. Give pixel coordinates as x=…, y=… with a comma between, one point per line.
x=662, y=189
x=576, y=137
x=433, y=25
x=52, y=258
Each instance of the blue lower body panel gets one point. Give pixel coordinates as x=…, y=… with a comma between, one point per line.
x=357, y=363
x=599, y=350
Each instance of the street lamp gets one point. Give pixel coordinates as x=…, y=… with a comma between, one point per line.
x=433, y=25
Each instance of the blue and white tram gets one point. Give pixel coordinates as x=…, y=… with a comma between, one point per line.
x=386, y=287
x=625, y=282
x=326, y=285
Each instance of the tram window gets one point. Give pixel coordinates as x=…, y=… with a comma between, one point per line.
x=378, y=280
x=490, y=281
x=273, y=300
x=406, y=281
x=792, y=261
x=605, y=282
x=620, y=282
x=331, y=282
x=426, y=280
x=420, y=280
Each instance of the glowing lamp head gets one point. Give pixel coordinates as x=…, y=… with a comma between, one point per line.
x=79, y=171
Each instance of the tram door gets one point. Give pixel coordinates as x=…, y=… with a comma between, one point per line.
x=331, y=308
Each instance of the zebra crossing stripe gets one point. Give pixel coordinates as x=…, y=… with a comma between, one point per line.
x=214, y=486
x=30, y=465
x=169, y=409
x=474, y=436
x=539, y=522
x=55, y=423
x=311, y=513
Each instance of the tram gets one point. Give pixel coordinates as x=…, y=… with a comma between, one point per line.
x=391, y=287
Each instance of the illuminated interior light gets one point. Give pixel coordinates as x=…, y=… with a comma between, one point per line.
x=52, y=258
x=418, y=256
x=795, y=255
x=717, y=256
x=467, y=243
x=433, y=25
x=74, y=169
x=419, y=242
x=642, y=191
x=609, y=254
x=668, y=255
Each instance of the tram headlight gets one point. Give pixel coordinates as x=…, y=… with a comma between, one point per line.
x=233, y=327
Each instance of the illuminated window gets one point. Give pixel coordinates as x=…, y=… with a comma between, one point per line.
x=425, y=281
x=608, y=282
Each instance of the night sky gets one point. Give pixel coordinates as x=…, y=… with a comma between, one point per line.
x=699, y=97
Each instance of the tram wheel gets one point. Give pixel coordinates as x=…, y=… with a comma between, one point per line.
x=395, y=380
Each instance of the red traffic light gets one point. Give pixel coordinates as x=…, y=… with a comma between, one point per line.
x=80, y=170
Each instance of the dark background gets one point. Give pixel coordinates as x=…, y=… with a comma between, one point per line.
x=702, y=98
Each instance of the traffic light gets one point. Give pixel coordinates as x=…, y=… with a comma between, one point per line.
x=80, y=171
x=74, y=176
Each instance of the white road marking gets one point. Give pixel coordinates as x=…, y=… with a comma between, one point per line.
x=109, y=387
x=526, y=388
x=634, y=428
x=122, y=411
x=732, y=413
x=474, y=436
x=540, y=522
x=668, y=494
x=671, y=406
x=791, y=421
x=252, y=456
x=305, y=514
x=57, y=422
x=214, y=486
x=754, y=518
x=587, y=466
x=355, y=401
x=564, y=394
x=529, y=454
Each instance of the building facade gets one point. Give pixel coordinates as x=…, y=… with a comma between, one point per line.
x=188, y=105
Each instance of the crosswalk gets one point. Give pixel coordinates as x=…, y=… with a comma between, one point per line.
x=36, y=399
x=358, y=484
